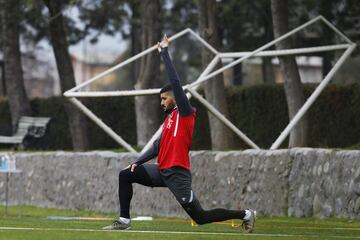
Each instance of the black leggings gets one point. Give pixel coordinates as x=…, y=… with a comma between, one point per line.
x=194, y=209
x=201, y=216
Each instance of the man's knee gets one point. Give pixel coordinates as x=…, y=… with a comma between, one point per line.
x=124, y=175
x=196, y=212
x=199, y=220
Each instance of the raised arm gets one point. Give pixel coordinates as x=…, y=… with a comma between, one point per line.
x=182, y=101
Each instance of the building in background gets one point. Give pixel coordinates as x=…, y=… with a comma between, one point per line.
x=40, y=75
x=86, y=69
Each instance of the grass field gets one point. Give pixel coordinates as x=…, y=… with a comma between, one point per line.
x=33, y=223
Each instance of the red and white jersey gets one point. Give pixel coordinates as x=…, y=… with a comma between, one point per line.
x=176, y=140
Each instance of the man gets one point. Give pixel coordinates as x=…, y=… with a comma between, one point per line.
x=173, y=168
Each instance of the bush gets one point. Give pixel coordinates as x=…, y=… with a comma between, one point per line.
x=117, y=112
x=261, y=113
x=334, y=119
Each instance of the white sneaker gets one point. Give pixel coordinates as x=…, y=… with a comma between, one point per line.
x=118, y=225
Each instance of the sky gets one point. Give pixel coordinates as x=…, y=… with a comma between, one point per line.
x=106, y=50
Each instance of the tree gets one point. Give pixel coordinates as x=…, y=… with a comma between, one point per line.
x=221, y=136
x=244, y=26
x=328, y=34
x=266, y=22
x=347, y=19
x=103, y=17
x=147, y=107
x=293, y=87
x=18, y=100
x=67, y=81
x=345, y=15
x=2, y=73
x=2, y=77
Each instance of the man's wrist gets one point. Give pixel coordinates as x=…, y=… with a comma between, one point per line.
x=162, y=49
x=163, y=45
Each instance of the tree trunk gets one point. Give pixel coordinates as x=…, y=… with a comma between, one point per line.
x=237, y=77
x=147, y=107
x=18, y=101
x=221, y=135
x=327, y=34
x=135, y=36
x=2, y=70
x=267, y=66
x=293, y=87
x=2, y=78
x=59, y=42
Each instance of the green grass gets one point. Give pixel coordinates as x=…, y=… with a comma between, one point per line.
x=36, y=225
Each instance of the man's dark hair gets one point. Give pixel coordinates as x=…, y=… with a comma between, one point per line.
x=166, y=88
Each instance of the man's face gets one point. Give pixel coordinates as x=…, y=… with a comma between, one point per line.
x=167, y=101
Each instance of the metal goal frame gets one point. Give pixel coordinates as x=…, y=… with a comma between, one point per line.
x=208, y=73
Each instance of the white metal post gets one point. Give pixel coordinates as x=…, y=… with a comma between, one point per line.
x=312, y=98
x=294, y=51
x=213, y=50
x=124, y=93
x=101, y=124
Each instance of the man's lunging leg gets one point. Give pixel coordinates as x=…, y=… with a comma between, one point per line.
x=201, y=216
x=126, y=179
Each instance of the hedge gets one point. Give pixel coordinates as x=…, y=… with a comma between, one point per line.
x=259, y=111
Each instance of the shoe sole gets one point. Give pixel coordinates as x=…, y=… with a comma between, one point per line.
x=117, y=229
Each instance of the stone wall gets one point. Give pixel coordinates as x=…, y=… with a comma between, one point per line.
x=324, y=183
x=297, y=182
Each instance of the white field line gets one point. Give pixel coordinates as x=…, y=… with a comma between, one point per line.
x=174, y=232
x=330, y=228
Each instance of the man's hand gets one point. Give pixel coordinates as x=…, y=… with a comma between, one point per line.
x=132, y=167
x=165, y=41
x=163, y=44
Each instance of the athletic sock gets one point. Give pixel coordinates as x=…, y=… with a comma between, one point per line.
x=124, y=220
x=247, y=215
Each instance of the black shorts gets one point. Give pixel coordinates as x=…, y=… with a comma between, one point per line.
x=177, y=179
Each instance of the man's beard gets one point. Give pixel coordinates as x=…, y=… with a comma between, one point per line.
x=169, y=109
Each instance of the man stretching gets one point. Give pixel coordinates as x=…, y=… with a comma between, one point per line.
x=173, y=168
